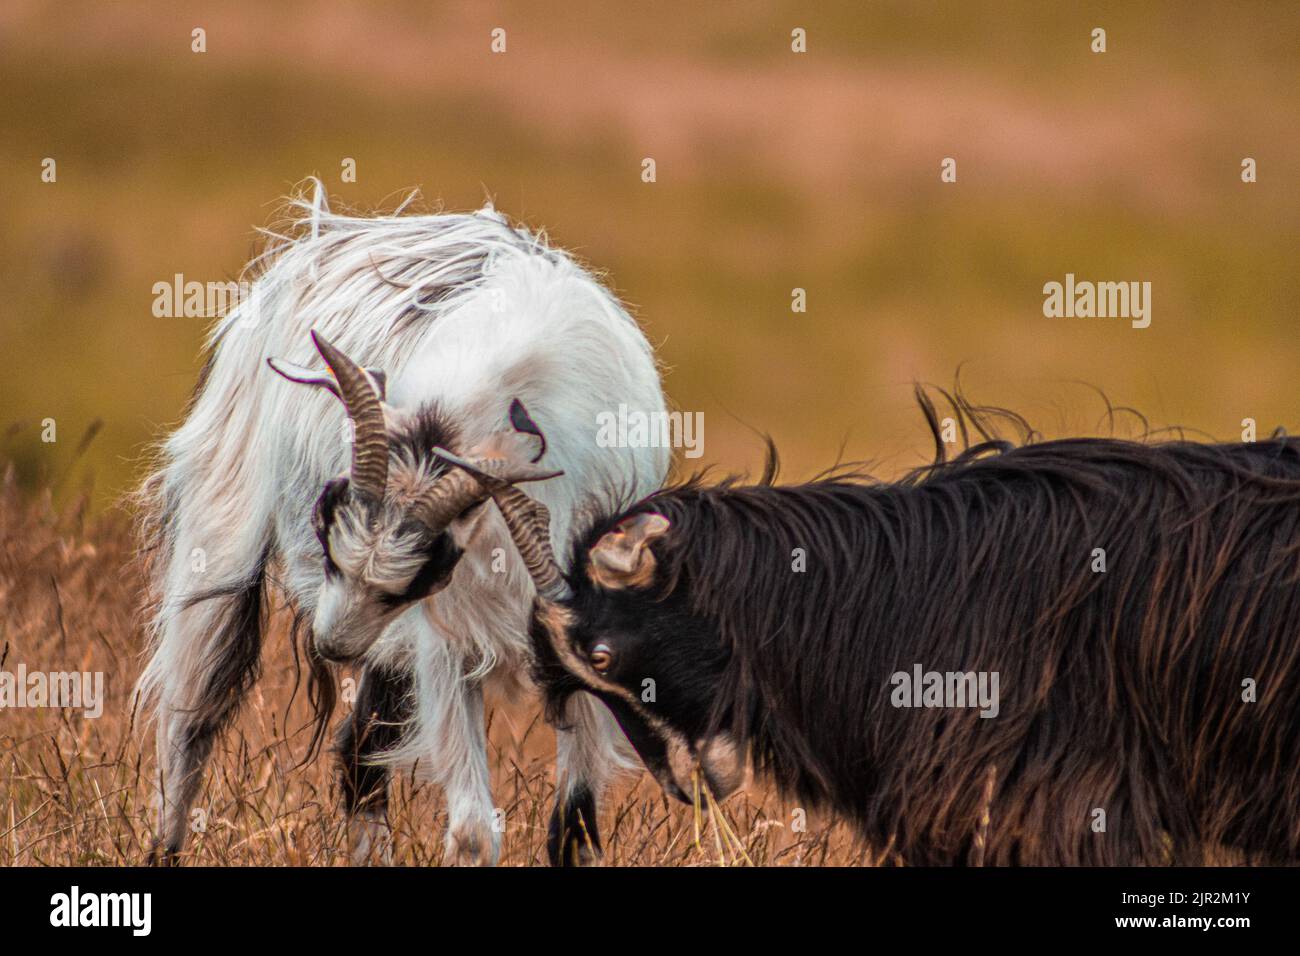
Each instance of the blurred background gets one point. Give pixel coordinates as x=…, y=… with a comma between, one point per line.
x=775, y=170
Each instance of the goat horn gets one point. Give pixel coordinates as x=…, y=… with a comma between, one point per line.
x=528, y=520
x=447, y=498
x=370, y=439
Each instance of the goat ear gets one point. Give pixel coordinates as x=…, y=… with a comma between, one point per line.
x=524, y=424
x=524, y=442
x=622, y=558
x=323, y=379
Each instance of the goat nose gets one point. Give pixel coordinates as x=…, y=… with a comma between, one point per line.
x=330, y=650
x=671, y=788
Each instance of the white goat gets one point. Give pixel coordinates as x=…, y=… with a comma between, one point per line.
x=465, y=322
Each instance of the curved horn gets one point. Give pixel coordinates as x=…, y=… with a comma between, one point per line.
x=528, y=520
x=446, y=498
x=453, y=493
x=362, y=401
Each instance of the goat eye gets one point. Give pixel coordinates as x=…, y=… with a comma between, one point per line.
x=601, y=657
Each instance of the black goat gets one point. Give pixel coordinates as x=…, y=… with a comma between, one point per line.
x=1136, y=606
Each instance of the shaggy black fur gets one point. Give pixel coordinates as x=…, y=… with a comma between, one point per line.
x=383, y=705
x=1120, y=690
x=572, y=838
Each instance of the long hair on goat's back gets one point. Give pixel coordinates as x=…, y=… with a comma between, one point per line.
x=1138, y=600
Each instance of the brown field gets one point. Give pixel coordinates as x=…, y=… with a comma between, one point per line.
x=77, y=790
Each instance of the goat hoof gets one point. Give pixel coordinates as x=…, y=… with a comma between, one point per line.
x=370, y=840
x=470, y=847
x=162, y=855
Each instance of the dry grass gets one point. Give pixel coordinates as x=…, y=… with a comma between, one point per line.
x=75, y=791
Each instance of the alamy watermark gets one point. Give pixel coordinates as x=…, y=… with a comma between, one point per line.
x=133, y=911
x=82, y=691
x=922, y=688
x=191, y=299
x=1102, y=300
x=630, y=428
